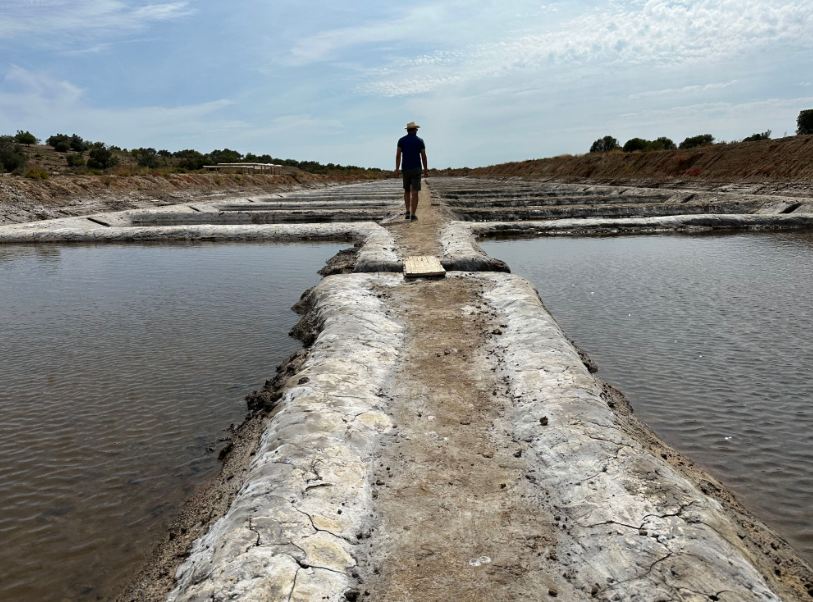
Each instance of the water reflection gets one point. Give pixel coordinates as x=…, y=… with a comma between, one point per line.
x=119, y=367
x=709, y=338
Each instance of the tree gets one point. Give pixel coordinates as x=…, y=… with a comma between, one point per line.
x=101, y=158
x=662, y=143
x=635, y=144
x=191, y=159
x=226, y=156
x=11, y=155
x=26, y=138
x=766, y=135
x=164, y=153
x=603, y=145
x=75, y=160
x=146, y=157
x=804, y=123
x=61, y=143
x=78, y=144
x=695, y=141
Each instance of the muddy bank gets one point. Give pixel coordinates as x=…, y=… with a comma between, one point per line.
x=26, y=200
x=460, y=247
x=210, y=501
x=305, y=504
x=784, y=165
x=443, y=439
x=363, y=481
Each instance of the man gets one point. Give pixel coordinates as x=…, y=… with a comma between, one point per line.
x=413, y=151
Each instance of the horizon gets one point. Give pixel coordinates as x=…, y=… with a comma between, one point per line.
x=488, y=83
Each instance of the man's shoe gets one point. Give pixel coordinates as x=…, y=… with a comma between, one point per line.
x=406, y=216
x=414, y=218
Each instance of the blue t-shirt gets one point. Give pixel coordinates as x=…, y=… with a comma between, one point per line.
x=411, y=147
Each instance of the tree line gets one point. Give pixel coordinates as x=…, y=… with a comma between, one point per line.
x=102, y=156
x=804, y=127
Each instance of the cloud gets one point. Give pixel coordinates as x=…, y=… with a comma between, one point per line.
x=766, y=106
x=410, y=25
x=41, y=103
x=653, y=33
x=683, y=90
x=40, y=20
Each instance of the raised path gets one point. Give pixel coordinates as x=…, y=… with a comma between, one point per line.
x=443, y=440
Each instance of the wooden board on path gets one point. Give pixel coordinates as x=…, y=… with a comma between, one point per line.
x=422, y=267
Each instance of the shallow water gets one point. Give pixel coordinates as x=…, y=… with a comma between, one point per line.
x=709, y=338
x=119, y=367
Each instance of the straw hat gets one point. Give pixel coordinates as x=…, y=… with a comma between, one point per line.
x=411, y=126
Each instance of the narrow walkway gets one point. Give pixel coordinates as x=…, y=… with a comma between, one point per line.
x=420, y=237
x=456, y=523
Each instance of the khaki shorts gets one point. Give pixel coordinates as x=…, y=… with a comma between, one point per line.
x=412, y=178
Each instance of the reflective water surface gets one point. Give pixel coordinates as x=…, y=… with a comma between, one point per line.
x=119, y=367
x=710, y=339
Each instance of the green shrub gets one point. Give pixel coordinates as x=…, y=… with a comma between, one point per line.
x=75, y=160
x=57, y=138
x=78, y=144
x=62, y=143
x=695, y=141
x=225, y=156
x=639, y=144
x=662, y=143
x=26, y=138
x=101, y=158
x=146, y=157
x=602, y=145
x=11, y=155
x=766, y=135
x=804, y=123
x=635, y=144
x=37, y=173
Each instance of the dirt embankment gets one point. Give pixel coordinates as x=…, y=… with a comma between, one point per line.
x=784, y=164
x=24, y=199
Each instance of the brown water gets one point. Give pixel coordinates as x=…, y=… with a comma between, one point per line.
x=710, y=339
x=120, y=368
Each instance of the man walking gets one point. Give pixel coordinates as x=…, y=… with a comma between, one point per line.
x=411, y=152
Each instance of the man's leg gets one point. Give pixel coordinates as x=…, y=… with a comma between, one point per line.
x=414, y=201
x=406, y=199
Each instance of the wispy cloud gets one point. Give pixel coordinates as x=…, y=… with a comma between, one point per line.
x=40, y=20
x=45, y=104
x=657, y=32
x=683, y=90
x=415, y=24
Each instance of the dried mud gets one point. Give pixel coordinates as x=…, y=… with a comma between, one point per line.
x=26, y=200
x=457, y=496
x=783, y=166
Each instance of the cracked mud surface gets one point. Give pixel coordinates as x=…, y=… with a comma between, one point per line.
x=443, y=440
x=456, y=520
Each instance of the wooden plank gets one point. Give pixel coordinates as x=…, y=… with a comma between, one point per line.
x=422, y=266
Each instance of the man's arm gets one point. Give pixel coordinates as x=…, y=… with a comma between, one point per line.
x=425, y=164
x=398, y=162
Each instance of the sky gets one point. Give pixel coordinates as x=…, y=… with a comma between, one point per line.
x=489, y=81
